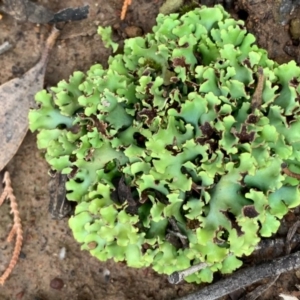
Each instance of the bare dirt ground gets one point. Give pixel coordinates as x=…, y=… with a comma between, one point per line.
x=78, y=47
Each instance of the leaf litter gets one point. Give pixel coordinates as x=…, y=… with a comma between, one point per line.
x=16, y=98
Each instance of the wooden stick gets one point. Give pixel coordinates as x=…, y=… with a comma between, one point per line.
x=16, y=230
x=246, y=277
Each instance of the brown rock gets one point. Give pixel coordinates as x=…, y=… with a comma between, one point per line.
x=57, y=283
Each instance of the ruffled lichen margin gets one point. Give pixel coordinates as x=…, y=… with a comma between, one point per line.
x=169, y=158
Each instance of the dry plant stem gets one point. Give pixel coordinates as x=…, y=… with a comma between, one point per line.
x=176, y=228
x=178, y=276
x=257, y=96
x=124, y=8
x=290, y=236
x=286, y=171
x=247, y=277
x=16, y=230
x=49, y=44
x=257, y=292
x=261, y=289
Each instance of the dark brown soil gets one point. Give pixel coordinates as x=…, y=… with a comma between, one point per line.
x=78, y=48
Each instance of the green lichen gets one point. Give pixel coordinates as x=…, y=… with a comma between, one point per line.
x=172, y=132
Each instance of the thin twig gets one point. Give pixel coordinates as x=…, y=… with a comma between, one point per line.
x=181, y=236
x=257, y=96
x=261, y=289
x=177, y=276
x=49, y=45
x=290, y=236
x=124, y=8
x=16, y=230
x=246, y=277
x=286, y=171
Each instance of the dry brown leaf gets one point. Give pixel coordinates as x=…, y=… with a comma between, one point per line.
x=16, y=98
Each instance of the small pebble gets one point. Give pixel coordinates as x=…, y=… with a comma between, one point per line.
x=106, y=275
x=62, y=253
x=57, y=283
